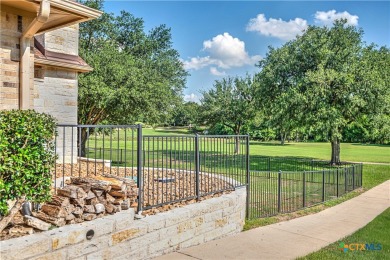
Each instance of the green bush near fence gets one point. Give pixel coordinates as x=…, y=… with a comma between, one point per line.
x=26, y=156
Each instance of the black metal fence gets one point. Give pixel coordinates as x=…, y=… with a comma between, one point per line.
x=167, y=169
x=281, y=185
x=176, y=168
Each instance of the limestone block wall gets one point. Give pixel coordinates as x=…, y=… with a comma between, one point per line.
x=56, y=94
x=11, y=26
x=56, y=90
x=64, y=40
x=121, y=237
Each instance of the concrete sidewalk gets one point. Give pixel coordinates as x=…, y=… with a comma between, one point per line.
x=296, y=237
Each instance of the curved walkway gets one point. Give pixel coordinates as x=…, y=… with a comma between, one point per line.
x=296, y=237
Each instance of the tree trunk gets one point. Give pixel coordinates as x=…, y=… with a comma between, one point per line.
x=237, y=141
x=7, y=219
x=283, y=138
x=335, y=159
x=85, y=133
x=237, y=145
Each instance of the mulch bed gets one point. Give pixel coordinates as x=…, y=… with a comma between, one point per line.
x=161, y=186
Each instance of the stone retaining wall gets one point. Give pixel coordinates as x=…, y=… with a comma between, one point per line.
x=121, y=237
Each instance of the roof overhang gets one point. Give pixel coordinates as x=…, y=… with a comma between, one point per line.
x=43, y=57
x=63, y=13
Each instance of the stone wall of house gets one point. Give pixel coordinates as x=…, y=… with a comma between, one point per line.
x=55, y=93
x=64, y=40
x=52, y=90
x=56, y=90
x=121, y=237
x=11, y=27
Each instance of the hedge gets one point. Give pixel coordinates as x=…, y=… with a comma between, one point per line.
x=27, y=156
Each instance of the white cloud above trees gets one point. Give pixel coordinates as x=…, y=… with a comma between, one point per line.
x=327, y=18
x=224, y=52
x=285, y=30
x=214, y=71
x=191, y=98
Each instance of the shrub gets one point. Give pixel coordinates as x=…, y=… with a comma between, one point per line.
x=220, y=129
x=27, y=156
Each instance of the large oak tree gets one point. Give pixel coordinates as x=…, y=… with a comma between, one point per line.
x=137, y=75
x=324, y=80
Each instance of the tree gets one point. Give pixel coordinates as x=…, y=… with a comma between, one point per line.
x=230, y=103
x=375, y=70
x=136, y=74
x=186, y=114
x=323, y=80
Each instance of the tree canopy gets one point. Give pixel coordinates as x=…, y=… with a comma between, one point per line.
x=230, y=102
x=324, y=80
x=186, y=114
x=136, y=74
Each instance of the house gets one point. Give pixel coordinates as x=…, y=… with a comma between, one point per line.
x=39, y=56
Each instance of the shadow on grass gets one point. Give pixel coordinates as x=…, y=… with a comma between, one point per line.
x=257, y=143
x=375, y=145
x=172, y=131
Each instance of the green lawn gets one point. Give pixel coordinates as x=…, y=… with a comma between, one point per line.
x=373, y=175
x=349, y=151
x=174, y=150
x=166, y=131
x=376, y=232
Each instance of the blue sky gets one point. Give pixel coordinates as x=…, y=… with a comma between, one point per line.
x=216, y=39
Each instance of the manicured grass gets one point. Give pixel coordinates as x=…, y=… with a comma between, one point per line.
x=166, y=131
x=376, y=232
x=178, y=153
x=349, y=151
x=373, y=175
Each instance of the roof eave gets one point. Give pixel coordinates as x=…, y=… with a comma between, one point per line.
x=63, y=65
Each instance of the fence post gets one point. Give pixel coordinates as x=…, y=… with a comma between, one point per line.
x=248, y=184
x=279, y=190
x=337, y=182
x=345, y=180
x=197, y=166
x=353, y=177
x=312, y=169
x=304, y=189
x=269, y=167
x=139, y=169
x=361, y=175
x=323, y=185
x=170, y=156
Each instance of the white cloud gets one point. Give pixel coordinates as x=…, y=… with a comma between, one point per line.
x=197, y=63
x=277, y=27
x=327, y=18
x=216, y=72
x=191, y=97
x=224, y=51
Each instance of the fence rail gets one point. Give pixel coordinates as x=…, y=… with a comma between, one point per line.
x=281, y=185
x=167, y=169
x=170, y=169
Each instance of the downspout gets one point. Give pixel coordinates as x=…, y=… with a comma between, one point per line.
x=25, y=61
